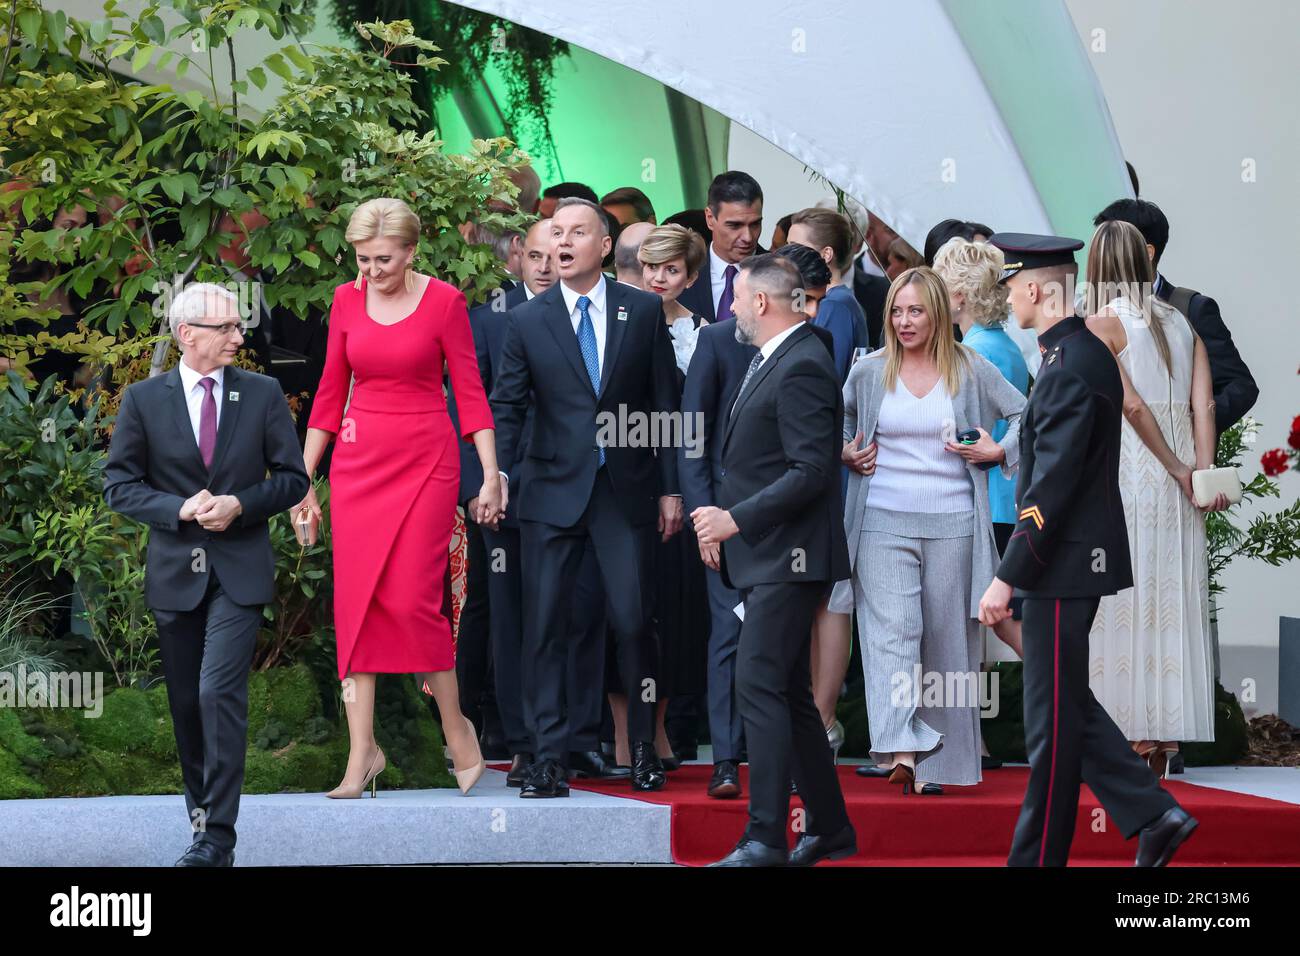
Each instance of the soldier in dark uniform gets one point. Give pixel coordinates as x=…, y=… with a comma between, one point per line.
x=1069, y=548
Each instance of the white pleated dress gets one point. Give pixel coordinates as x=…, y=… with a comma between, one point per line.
x=1150, y=660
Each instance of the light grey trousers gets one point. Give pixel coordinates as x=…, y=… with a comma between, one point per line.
x=921, y=650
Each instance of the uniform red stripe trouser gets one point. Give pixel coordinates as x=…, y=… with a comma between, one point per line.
x=1070, y=738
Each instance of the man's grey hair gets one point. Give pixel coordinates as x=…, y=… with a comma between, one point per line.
x=579, y=201
x=192, y=304
x=499, y=240
x=775, y=275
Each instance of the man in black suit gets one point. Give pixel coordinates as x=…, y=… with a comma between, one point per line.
x=1070, y=547
x=190, y=456
x=588, y=356
x=717, y=366
x=1235, y=390
x=781, y=532
x=735, y=218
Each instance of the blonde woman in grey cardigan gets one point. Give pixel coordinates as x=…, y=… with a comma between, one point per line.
x=920, y=537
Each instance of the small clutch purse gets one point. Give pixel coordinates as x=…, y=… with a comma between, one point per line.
x=1209, y=482
x=305, y=523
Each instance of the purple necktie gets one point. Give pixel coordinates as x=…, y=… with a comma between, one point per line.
x=207, y=422
x=724, y=303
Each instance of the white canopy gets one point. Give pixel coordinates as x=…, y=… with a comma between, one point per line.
x=921, y=111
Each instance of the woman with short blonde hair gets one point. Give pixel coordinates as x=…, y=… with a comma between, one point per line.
x=394, y=478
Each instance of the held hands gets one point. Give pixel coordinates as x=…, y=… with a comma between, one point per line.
x=192, y=504
x=713, y=526
x=711, y=555
x=489, y=506
x=670, y=516
x=310, y=503
x=861, y=460
x=983, y=451
x=218, y=511
x=995, y=604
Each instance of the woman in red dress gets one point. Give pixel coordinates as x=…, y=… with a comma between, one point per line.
x=394, y=476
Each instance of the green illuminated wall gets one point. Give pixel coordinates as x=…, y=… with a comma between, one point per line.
x=611, y=127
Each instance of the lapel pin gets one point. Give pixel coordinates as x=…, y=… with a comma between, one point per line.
x=234, y=396
x=622, y=314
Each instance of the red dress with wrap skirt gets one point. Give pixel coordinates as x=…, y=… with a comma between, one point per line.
x=394, y=474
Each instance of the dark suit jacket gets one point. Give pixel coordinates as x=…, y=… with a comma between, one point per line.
x=781, y=470
x=716, y=371
x=871, y=290
x=541, y=368
x=487, y=323
x=1070, y=539
x=1235, y=390
x=154, y=465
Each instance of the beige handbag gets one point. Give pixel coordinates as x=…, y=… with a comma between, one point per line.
x=1209, y=482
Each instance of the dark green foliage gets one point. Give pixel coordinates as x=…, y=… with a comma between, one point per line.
x=129, y=748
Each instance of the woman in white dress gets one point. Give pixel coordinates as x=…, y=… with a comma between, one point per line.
x=1151, y=662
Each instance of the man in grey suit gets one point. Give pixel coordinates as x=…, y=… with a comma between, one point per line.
x=205, y=455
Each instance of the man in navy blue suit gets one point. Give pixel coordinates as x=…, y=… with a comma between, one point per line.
x=585, y=350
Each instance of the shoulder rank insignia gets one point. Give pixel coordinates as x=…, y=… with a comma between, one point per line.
x=1052, y=357
x=1034, y=515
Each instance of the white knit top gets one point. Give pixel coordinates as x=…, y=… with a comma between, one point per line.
x=914, y=472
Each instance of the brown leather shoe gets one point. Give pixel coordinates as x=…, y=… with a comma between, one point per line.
x=725, y=782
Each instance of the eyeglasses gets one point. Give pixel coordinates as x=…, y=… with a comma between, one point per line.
x=225, y=328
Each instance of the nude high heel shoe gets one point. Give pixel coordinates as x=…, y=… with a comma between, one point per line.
x=377, y=766
x=465, y=779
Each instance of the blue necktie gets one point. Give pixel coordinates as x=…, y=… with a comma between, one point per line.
x=587, y=345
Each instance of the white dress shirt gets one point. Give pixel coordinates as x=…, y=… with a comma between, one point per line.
x=599, y=321
x=194, y=393
x=774, y=343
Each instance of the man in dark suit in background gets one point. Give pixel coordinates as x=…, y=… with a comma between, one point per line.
x=1235, y=390
x=586, y=353
x=1068, y=549
x=734, y=215
x=780, y=532
x=190, y=456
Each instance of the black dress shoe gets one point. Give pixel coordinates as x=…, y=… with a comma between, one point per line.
x=812, y=849
x=871, y=770
x=1176, y=764
x=671, y=763
x=647, y=771
x=1157, y=841
x=725, y=782
x=594, y=764
x=518, y=770
x=752, y=853
x=545, y=778
x=204, y=853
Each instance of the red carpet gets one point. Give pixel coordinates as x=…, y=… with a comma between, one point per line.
x=972, y=826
